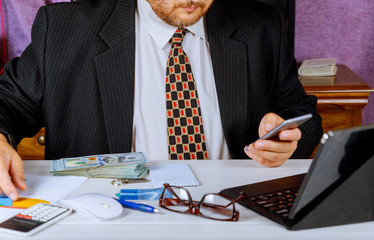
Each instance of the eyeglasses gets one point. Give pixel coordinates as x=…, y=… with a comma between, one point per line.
x=212, y=205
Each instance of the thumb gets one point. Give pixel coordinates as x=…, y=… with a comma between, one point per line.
x=268, y=122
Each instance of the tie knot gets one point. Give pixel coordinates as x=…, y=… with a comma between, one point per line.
x=178, y=36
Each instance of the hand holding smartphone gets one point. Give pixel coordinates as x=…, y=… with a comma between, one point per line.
x=287, y=124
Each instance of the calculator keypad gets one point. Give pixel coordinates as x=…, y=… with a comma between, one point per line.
x=42, y=212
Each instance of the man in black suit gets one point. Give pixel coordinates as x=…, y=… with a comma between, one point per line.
x=87, y=73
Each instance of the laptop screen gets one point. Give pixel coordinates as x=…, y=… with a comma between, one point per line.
x=341, y=153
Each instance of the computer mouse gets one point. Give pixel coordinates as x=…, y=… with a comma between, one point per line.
x=94, y=205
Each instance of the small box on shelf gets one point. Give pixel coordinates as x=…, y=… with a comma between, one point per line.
x=318, y=67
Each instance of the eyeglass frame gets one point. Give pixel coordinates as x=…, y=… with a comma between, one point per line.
x=194, y=206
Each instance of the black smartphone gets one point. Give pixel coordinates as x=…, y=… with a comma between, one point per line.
x=287, y=124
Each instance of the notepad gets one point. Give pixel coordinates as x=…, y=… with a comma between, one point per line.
x=177, y=174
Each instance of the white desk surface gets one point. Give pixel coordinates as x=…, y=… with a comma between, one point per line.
x=213, y=175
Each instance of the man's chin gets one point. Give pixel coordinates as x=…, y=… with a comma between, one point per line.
x=185, y=20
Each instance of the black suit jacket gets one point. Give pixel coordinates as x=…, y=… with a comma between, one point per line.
x=76, y=78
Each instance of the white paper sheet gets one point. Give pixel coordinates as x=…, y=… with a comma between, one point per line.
x=49, y=188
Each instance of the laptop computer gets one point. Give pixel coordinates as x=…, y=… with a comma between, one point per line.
x=337, y=189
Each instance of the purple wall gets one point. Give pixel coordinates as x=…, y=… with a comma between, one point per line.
x=343, y=29
x=18, y=16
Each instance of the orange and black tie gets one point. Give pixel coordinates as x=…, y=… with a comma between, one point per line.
x=185, y=126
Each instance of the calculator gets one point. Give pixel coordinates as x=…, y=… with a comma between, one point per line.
x=33, y=219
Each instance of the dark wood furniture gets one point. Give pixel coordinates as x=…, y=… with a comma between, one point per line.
x=340, y=103
x=341, y=100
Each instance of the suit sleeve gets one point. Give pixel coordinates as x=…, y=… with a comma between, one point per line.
x=22, y=87
x=290, y=99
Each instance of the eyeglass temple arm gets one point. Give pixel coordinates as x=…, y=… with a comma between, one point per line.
x=224, y=208
x=241, y=196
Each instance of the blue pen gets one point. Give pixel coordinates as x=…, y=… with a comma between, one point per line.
x=138, y=206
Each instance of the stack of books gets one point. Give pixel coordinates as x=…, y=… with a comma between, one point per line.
x=319, y=71
x=121, y=165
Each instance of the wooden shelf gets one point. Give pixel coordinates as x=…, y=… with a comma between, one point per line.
x=340, y=102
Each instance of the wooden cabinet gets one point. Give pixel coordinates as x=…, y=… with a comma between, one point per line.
x=340, y=103
x=340, y=98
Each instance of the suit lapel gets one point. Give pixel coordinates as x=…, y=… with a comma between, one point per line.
x=231, y=73
x=115, y=71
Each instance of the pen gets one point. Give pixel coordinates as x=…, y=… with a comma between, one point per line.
x=138, y=206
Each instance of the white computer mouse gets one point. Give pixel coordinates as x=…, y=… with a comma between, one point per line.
x=94, y=205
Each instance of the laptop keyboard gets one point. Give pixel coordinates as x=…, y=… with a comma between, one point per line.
x=275, y=205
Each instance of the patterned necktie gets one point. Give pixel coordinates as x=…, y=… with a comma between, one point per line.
x=185, y=125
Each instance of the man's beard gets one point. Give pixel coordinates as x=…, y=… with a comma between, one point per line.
x=175, y=20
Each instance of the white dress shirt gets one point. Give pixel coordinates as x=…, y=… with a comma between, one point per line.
x=152, y=51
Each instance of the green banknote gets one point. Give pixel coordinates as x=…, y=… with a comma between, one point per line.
x=120, y=165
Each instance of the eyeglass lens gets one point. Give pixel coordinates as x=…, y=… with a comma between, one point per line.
x=217, y=207
x=212, y=206
x=178, y=201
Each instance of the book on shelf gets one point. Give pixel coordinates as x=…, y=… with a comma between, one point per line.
x=318, y=67
x=317, y=80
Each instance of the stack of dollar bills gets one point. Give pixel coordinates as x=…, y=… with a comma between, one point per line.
x=121, y=165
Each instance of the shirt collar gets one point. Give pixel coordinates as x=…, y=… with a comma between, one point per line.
x=160, y=31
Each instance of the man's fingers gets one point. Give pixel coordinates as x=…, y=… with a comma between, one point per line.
x=11, y=170
x=275, y=146
x=290, y=135
x=274, y=156
x=6, y=184
x=263, y=161
x=271, y=153
x=17, y=173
